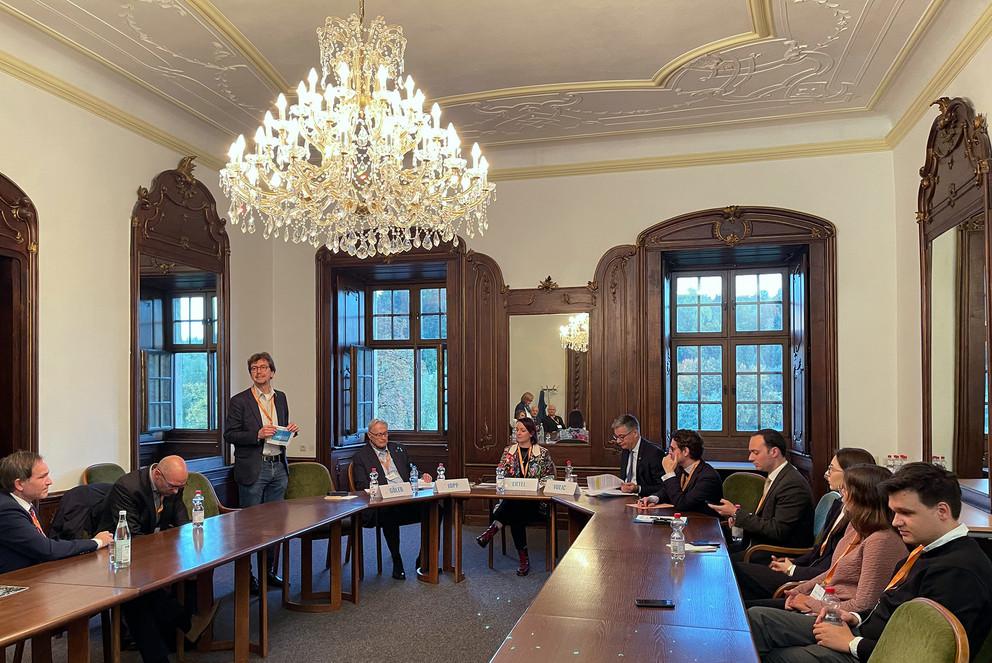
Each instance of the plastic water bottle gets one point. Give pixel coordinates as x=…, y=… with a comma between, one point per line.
x=414, y=478
x=374, y=484
x=569, y=477
x=736, y=533
x=678, y=539
x=832, y=614
x=440, y=471
x=500, y=479
x=198, y=509
x=122, y=543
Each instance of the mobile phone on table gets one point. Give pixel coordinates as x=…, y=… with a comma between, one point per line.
x=337, y=493
x=705, y=543
x=654, y=603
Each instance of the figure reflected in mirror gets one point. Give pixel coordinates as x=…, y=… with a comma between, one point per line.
x=523, y=407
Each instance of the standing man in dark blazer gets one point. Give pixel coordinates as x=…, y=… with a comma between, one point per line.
x=689, y=484
x=24, y=479
x=260, y=467
x=640, y=461
x=784, y=516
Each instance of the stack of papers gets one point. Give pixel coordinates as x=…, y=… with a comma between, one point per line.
x=646, y=518
x=689, y=548
x=604, y=485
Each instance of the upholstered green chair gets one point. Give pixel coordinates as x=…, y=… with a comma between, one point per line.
x=744, y=488
x=310, y=479
x=819, y=516
x=922, y=630
x=102, y=473
x=211, y=504
x=822, y=509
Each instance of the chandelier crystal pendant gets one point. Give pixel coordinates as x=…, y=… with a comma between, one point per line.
x=356, y=164
x=575, y=335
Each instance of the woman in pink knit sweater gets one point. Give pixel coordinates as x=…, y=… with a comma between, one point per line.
x=864, y=558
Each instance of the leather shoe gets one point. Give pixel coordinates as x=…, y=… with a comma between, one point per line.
x=399, y=573
x=199, y=622
x=253, y=588
x=274, y=580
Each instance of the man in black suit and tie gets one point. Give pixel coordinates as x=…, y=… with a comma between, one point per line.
x=784, y=516
x=392, y=465
x=640, y=461
x=689, y=484
x=24, y=478
x=260, y=467
x=551, y=422
x=945, y=566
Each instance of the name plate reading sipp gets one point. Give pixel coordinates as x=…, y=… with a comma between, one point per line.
x=452, y=486
x=522, y=485
x=390, y=491
x=561, y=488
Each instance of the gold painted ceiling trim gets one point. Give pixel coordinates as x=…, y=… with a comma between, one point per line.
x=689, y=160
x=45, y=81
x=762, y=27
x=62, y=39
x=213, y=16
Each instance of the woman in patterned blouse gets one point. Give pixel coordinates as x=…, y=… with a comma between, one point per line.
x=525, y=458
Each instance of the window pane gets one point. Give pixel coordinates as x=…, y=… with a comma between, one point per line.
x=687, y=358
x=711, y=388
x=428, y=389
x=711, y=358
x=770, y=287
x=688, y=388
x=686, y=288
x=444, y=326
x=382, y=301
x=401, y=328
x=443, y=298
x=747, y=388
x=747, y=358
x=771, y=317
x=180, y=332
x=429, y=301
x=771, y=416
x=687, y=319
x=710, y=290
x=710, y=318
x=747, y=417
x=688, y=417
x=196, y=331
x=746, y=317
x=191, y=390
x=196, y=308
x=401, y=301
x=382, y=328
x=393, y=386
x=771, y=358
x=711, y=416
x=430, y=326
x=771, y=387
x=746, y=288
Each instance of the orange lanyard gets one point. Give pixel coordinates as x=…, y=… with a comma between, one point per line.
x=520, y=457
x=266, y=411
x=833, y=569
x=904, y=569
x=826, y=539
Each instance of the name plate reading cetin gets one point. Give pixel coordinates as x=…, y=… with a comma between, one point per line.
x=452, y=486
x=391, y=491
x=522, y=485
x=561, y=488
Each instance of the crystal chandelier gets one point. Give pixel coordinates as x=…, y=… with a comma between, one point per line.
x=356, y=164
x=575, y=335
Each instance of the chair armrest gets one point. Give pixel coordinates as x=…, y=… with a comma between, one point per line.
x=225, y=509
x=780, y=592
x=774, y=550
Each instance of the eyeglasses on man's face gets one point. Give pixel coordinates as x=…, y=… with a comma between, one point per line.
x=379, y=434
x=259, y=368
x=174, y=486
x=620, y=436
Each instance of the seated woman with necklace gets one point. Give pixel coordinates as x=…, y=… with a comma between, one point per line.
x=524, y=458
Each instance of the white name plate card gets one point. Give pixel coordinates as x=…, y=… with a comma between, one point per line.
x=522, y=485
x=569, y=488
x=452, y=486
x=391, y=491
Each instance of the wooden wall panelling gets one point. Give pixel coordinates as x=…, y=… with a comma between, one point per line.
x=18, y=319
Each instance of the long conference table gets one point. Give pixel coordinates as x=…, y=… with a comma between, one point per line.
x=585, y=610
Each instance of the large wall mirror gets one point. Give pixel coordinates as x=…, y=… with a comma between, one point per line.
x=953, y=218
x=180, y=347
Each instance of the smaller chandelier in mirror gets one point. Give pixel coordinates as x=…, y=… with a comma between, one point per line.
x=575, y=335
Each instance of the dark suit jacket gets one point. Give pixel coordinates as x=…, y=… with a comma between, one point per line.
x=957, y=575
x=521, y=406
x=363, y=462
x=786, y=516
x=704, y=487
x=241, y=427
x=649, y=470
x=23, y=545
x=552, y=424
x=813, y=563
x=133, y=493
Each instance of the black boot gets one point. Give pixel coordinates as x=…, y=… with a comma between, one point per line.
x=398, y=572
x=524, y=563
x=487, y=536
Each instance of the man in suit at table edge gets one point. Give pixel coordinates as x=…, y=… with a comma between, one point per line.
x=640, y=461
x=260, y=466
x=945, y=565
x=689, y=483
x=784, y=515
x=152, y=497
x=24, y=478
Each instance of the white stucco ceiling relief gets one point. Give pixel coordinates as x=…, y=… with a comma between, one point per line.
x=517, y=71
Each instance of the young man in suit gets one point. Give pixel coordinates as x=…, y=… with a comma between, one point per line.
x=640, y=461
x=153, y=500
x=784, y=515
x=689, y=483
x=24, y=478
x=945, y=566
x=392, y=465
x=260, y=467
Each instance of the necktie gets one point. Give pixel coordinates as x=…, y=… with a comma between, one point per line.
x=630, y=467
x=686, y=476
x=761, y=502
x=34, y=519
x=904, y=569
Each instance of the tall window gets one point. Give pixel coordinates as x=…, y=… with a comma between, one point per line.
x=730, y=339
x=401, y=373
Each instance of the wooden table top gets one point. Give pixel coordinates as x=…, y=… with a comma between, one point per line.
x=45, y=606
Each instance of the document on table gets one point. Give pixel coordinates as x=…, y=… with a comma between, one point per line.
x=7, y=590
x=689, y=548
x=604, y=485
x=646, y=518
x=339, y=498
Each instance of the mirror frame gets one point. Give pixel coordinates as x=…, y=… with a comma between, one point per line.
x=949, y=198
x=176, y=220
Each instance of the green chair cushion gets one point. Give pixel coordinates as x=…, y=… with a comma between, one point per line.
x=103, y=473
x=822, y=508
x=199, y=482
x=917, y=631
x=744, y=488
x=308, y=479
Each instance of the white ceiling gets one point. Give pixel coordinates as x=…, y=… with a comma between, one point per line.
x=517, y=71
